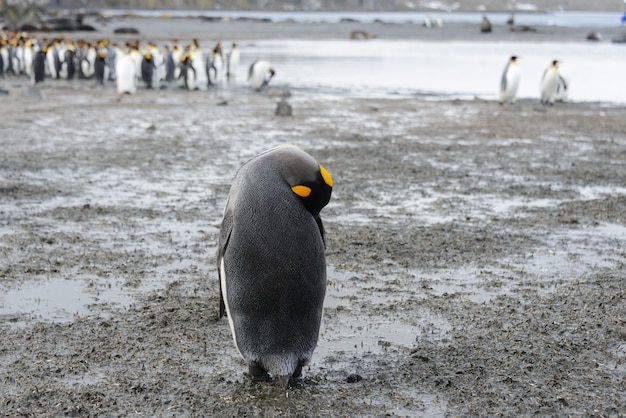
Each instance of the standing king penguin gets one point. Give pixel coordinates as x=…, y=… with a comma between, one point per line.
x=563, y=86
x=232, y=63
x=126, y=74
x=550, y=83
x=271, y=261
x=510, y=81
x=39, y=66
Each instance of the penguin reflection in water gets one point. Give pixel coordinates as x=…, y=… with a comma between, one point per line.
x=271, y=261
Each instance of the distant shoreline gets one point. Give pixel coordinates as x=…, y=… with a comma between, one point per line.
x=156, y=29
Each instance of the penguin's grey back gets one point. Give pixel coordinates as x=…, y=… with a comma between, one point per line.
x=274, y=264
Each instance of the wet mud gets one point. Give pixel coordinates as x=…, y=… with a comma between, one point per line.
x=476, y=255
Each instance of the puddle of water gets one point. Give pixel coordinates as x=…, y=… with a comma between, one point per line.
x=61, y=300
x=345, y=333
x=91, y=377
x=615, y=231
x=470, y=284
x=599, y=192
x=52, y=300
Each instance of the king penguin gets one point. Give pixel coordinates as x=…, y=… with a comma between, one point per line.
x=232, y=63
x=271, y=261
x=100, y=70
x=39, y=65
x=260, y=74
x=550, y=83
x=510, y=81
x=563, y=86
x=126, y=72
x=148, y=68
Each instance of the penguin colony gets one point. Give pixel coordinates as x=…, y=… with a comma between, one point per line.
x=554, y=86
x=271, y=261
x=127, y=66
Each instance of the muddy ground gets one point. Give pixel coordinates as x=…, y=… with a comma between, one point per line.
x=476, y=254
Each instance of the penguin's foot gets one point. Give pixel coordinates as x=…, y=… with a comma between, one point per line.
x=282, y=380
x=298, y=372
x=257, y=373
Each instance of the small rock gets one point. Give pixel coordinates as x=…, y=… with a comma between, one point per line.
x=284, y=109
x=594, y=36
x=354, y=378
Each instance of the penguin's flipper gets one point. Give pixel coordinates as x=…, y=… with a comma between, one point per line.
x=251, y=69
x=320, y=225
x=563, y=81
x=503, y=81
x=226, y=229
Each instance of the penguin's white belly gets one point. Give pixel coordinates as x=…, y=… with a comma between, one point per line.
x=126, y=75
x=512, y=84
x=549, y=85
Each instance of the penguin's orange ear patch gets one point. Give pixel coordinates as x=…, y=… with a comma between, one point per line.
x=302, y=191
x=326, y=176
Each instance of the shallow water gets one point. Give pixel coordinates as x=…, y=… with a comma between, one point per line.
x=384, y=68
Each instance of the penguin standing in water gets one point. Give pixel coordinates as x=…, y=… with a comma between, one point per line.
x=485, y=25
x=232, y=63
x=198, y=62
x=510, y=81
x=271, y=261
x=260, y=74
x=550, y=83
x=215, y=66
x=39, y=66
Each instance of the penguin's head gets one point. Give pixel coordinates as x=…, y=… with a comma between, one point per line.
x=555, y=63
x=307, y=179
x=513, y=58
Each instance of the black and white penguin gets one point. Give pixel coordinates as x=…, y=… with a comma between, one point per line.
x=39, y=66
x=260, y=74
x=126, y=71
x=68, y=65
x=148, y=68
x=485, y=25
x=54, y=59
x=271, y=261
x=187, y=72
x=509, y=82
x=87, y=64
x=232, y=63
x=100, y=68
x=563, y=86
x=550, y=83
x=169, y=64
